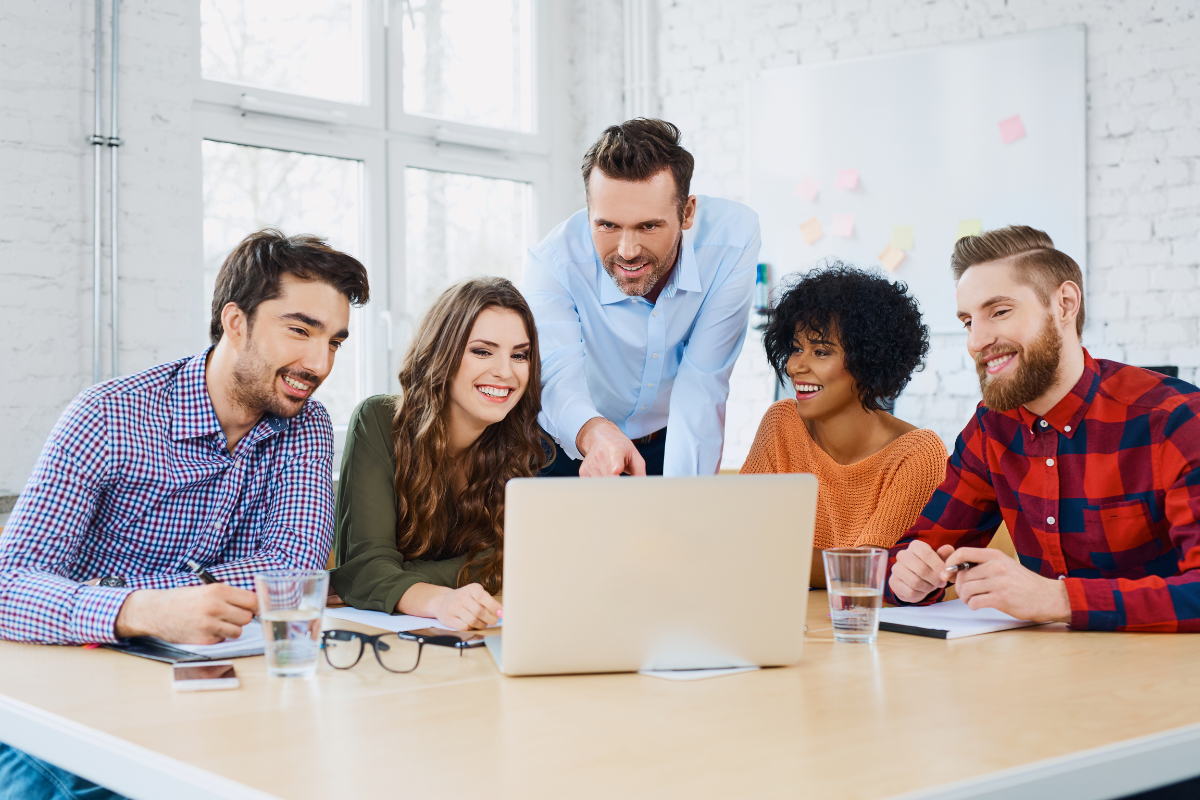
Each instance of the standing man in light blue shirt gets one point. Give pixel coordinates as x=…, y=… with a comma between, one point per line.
x=642, y=301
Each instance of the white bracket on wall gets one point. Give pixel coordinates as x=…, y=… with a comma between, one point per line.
x=249, y=102
x=641, y=78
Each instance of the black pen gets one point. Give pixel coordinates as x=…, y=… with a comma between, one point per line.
x=205, y=576
x=963, y=567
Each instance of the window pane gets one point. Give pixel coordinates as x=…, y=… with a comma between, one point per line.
x=459, y=226
x=250, y=188
x=470, y=60
x=308, y=47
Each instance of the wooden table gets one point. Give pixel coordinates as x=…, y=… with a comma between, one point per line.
x=1038, y=712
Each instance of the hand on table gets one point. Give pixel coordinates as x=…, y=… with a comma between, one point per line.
x=607, y=451
x=189, y=615
x=919, y=570
x=999, y=581
x=469, y=608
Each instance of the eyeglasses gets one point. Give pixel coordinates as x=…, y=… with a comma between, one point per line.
x=343, y=649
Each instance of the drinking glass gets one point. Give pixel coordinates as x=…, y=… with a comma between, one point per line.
x=854, y=578
x=290, y=605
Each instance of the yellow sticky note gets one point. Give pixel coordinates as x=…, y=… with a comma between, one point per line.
x=968, y=227
x=891, y=257
x=902, y=237
x=811, y=230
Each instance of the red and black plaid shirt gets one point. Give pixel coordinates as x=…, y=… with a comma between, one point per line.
x=1103, y=491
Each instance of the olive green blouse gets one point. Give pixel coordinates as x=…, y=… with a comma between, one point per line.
x=371, y=573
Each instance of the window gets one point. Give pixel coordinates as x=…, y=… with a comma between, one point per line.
x=460, y=226
x=250, y=188
x=458, y=64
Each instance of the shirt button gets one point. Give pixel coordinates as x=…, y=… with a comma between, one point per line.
x=1062, y=577
x=643, y=408
x=655, y=314
x=1049, y=462
x=1043, y=424
x=1067, y=428
x=656, y=355
x=650, y=385
x=1049, y=520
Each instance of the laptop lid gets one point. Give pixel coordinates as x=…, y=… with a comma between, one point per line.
x=623, y=574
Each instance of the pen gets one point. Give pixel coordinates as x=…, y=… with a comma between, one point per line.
x=205, y=577
x=963, y=567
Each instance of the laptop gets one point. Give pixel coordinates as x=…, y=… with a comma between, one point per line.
x=626, y=574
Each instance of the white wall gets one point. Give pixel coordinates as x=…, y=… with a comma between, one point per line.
x=1143, y=83
x=46, y=207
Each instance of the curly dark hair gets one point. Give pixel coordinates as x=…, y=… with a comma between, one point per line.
x=876, y=322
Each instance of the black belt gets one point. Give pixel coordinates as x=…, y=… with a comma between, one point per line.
x=650, y=437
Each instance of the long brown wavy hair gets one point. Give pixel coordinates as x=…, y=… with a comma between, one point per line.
x=433, y=521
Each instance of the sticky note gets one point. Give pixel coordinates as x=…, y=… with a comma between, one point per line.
x=808, y=188
x=842, y=225
x=847, y=179
x=968, y=227
x=811, y=230
x=891, y=257
x=1012, y=129
x=902, y=237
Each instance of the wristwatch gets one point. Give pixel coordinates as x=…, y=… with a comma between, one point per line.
x=112, y=580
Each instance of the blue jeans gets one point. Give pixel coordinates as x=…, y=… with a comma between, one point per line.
x=23, y=777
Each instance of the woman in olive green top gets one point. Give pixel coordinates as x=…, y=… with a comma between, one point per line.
x=420, y=504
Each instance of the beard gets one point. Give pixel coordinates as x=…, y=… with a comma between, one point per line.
x=641, y=286
x=1036, y=370
x=254, y=385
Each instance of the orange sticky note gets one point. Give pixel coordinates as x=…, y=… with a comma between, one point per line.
x=842, y=225
x=1012, y=129
x=811, y=230
x=847, y=179
x=808, y=188
x=891, y=257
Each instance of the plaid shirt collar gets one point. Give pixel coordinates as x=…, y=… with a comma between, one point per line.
x=1069, y=412
x=192, y=414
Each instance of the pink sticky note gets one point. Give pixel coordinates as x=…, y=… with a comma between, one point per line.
x=1012, y=129
x=847, y=179
x=891, y=257
x=811, y=230
x=808, y=188
x=842, y=225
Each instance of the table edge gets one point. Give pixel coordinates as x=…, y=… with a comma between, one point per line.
x=1109, y=771
x=106, y=759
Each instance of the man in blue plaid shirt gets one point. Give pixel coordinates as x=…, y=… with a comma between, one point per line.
x=218, y=458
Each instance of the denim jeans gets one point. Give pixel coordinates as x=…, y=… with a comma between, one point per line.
x=23, y=777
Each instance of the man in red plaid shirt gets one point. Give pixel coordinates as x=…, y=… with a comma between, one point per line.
x=1093, y=465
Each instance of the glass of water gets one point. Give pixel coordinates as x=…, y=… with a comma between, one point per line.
x=290, y=605
x=854, y=578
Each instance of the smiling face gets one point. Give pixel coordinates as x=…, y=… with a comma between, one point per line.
x=289, y=347
x=493, y=373
x=817, y=368
x=636, y=228
x=1012, y=335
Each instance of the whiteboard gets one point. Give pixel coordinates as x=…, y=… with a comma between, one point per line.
x=922, y=128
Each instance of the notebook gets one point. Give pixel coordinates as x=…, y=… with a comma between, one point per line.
x=250, y=643
x=950, y=620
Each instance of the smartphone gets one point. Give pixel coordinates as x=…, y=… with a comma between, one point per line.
x=205, y=675
x=444, y=638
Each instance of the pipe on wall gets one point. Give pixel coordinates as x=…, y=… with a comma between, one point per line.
x=114, y=142
x=99, y=141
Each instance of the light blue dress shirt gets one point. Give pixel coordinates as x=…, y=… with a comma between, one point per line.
x=645, y=366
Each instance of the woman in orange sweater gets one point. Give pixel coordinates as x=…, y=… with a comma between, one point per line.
x=848, y=341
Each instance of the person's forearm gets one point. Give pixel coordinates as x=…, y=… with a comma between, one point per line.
x=421, y=600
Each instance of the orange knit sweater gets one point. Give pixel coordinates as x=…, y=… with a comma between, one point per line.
x=871, y=502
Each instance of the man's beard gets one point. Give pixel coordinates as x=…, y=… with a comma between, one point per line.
x=1036, y=369
x=640, y=287
x=254, y=385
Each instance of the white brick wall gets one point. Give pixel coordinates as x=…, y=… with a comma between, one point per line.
x=1143, y=83
x=46, y=206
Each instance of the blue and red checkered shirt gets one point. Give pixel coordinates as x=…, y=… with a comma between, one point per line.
x=1103, y=491
x=135, y=479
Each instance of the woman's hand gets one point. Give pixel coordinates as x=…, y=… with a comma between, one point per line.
x=465, y=609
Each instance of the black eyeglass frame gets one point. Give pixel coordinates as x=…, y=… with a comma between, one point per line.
x=371, y=639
